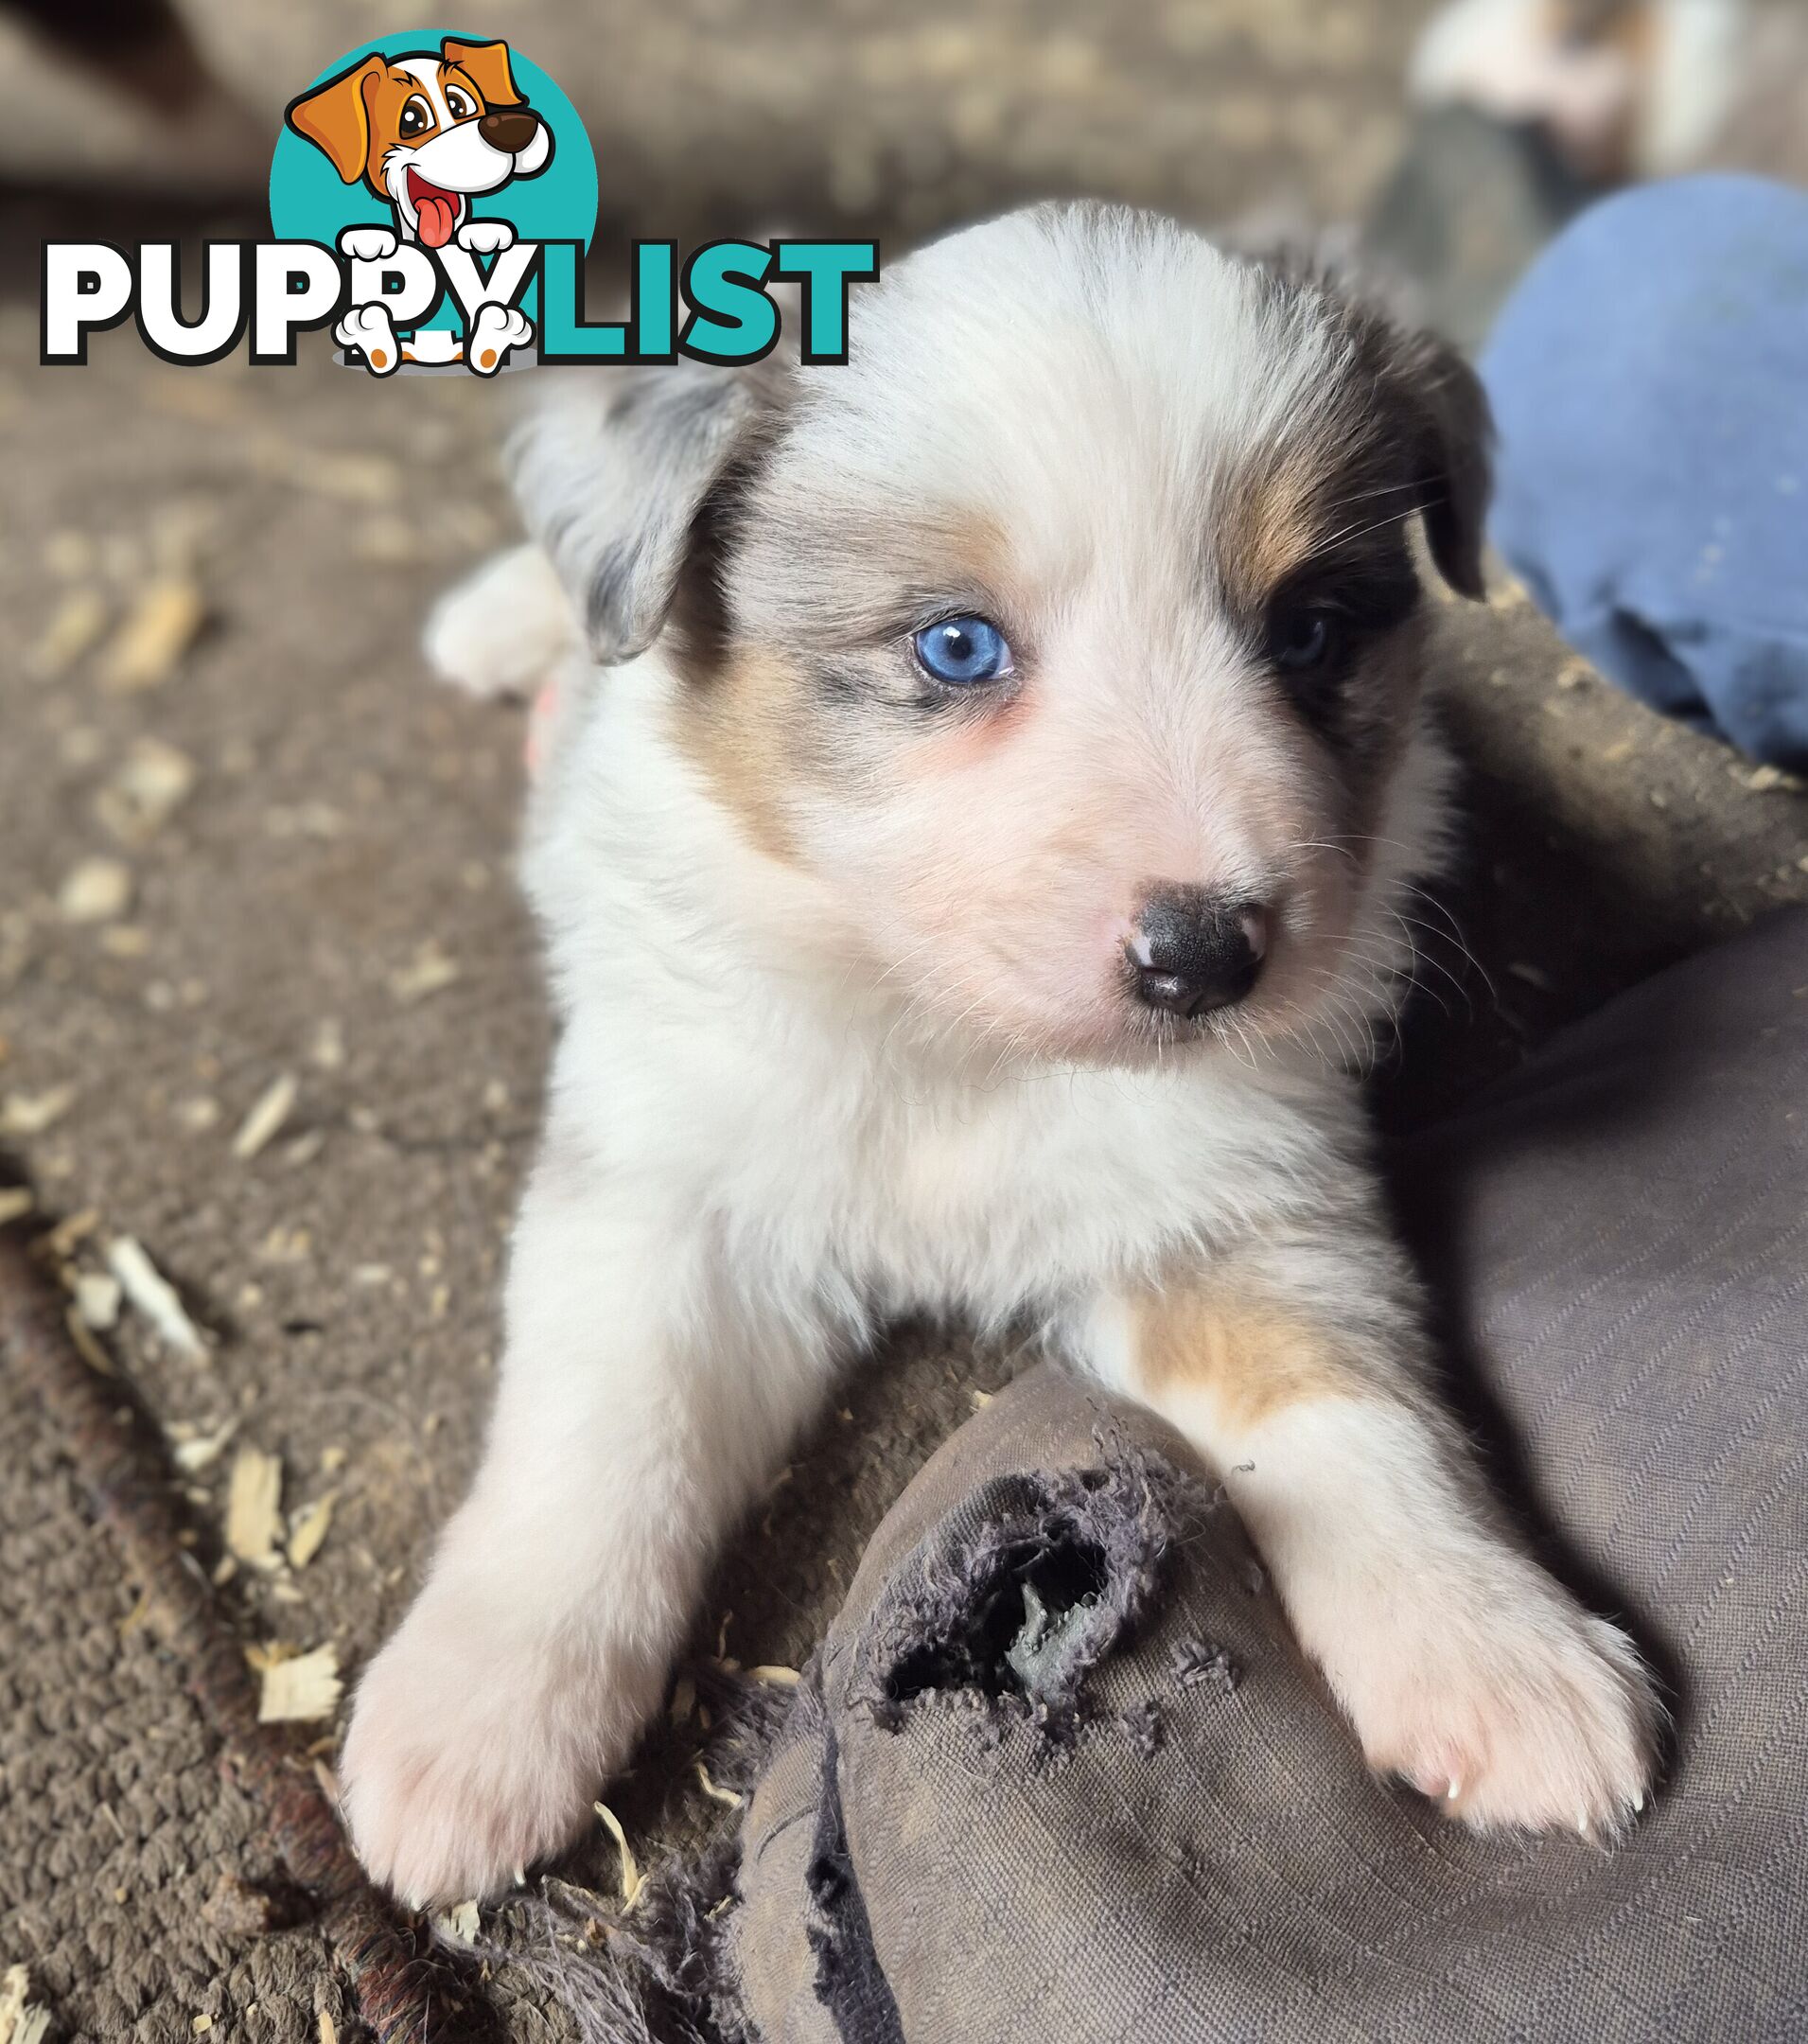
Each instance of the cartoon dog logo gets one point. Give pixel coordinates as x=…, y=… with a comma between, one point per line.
x=428, y=131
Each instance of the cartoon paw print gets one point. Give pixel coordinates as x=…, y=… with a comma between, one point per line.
x=485, y=237
x=496, y=329
x=368, y=329
x=368, y=244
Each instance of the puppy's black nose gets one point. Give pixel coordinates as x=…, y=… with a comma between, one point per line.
x=1195, y=951
x=510, y=131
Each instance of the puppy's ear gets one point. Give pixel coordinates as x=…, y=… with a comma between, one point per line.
x=335, y=117
x=1445, y=410
x=486, y=65
x=623, y=476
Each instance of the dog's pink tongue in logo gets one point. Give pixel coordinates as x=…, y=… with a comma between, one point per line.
x=436, y=210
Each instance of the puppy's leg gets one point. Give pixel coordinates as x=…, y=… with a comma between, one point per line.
x=1295, y=1369
x=505, y=630
x=645, y=1398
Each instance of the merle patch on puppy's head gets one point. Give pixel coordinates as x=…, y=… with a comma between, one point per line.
x=1069, y=639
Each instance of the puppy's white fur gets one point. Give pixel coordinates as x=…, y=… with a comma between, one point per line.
x=876, y=1054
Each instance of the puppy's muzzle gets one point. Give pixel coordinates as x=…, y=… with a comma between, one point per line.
x=510, y=130
x=1194, y=951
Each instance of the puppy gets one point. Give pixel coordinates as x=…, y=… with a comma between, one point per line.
x=967, y=888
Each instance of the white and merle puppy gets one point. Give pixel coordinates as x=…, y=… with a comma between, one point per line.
x=967, y=888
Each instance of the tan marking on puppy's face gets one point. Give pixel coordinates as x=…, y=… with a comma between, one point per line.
x=356, y=118
x=1247, y=1358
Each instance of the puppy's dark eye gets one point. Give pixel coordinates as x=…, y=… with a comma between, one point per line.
x=1303, y=636
x=418, y=118
x=457, y=104
x=963, y=651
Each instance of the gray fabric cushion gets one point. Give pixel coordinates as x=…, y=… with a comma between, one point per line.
x=1177, y=1842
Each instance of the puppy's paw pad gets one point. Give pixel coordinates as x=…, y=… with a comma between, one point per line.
x=485, y=237
x=1545, y=1724
x=367, y=245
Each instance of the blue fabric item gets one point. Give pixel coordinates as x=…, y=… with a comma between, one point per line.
x=1649, y=379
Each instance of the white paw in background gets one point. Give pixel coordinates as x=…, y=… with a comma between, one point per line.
x=470, y=1756
x=1515, y=1710
x=367, y=245
x=485, y=237
x=504, y=630
x=496, y=329
x=368, y=329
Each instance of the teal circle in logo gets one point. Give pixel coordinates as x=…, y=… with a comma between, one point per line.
x=352, y=124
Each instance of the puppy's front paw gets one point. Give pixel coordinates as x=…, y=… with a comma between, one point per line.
x=368, y=244
x=470, y=1756
x=1529, y=1714
x=485, y=237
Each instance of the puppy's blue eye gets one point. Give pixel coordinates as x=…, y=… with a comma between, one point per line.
x=962, y=651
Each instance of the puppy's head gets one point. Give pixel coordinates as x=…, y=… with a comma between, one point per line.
x=1068, y=639
x=428, y=131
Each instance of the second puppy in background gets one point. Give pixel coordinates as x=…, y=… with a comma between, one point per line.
x=968, y=880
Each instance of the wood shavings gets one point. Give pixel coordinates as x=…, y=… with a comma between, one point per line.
x=96, y=890
x=30, y=1114
x=197, y=1451
x=429, y=972
x=86, y=1345
x=332, y=1460
x=253, y=1507
x=15, y=1203
x=632, y=1879
x=307, y=1529
x=458, y=1924
x=261, y=1125
x=775, y=1677
x=684, y=1701
x=153, y=1296
x=301, y=1688
x=329, y=2028
x=327, y=1050
x=74, y=630
x=981, y=1399
x=715, y=1792
x=722, y=1635
x=98, y=1297
x=61, y=1241
x=151, y=784
x=153, y=635
x=21, y=2021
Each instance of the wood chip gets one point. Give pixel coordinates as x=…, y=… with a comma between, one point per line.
x=151, y=784
x=431, y=971
x=87, y=1347
x=329, y=2028
x=97, y=890
x=720, y=1794
x=253, y=1507
x=15, y=1203
x=74, y=629
x=154, y=634
x=684, y=1701
x=307, y=1529
x=21, y=2021
x=201, y=1450
x=265, y=1118
x=632, y=1879
x=30, y=1114
x=154, y=1297
x=98, y=1297
x=775, y=1678
x=301, y=1689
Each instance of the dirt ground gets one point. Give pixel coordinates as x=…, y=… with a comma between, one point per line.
x=306, y=883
